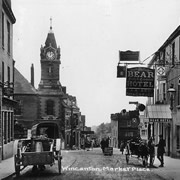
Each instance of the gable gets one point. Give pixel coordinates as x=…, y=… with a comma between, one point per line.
x=21, y=84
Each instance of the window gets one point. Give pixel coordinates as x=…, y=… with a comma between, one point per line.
x=8, y=75
x=50, y=107
x=12, y=126
x=67, y=122
x=129, y=134
x=173, y=53
x=18, y=109
x=145, y=125
x=179, y=93
x=3, y=72
x=8, y=36
x=128, y=122
x=143, y=132
x=178, y=137
x=5, y=126
x=2, y=29
x=179, y=49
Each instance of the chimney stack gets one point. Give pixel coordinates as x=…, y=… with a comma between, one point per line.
x=32, y=75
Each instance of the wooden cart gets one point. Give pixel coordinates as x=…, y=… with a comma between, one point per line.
x=42, y=149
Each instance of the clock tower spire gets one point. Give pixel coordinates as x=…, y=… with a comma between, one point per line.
x=50, y=62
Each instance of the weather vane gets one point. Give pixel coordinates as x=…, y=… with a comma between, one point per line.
x=51, y=23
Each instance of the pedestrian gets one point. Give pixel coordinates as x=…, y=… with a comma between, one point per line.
x=127, y=148
x=161, y=150
x=103, y=144
x=122, y=147
x=151, y=147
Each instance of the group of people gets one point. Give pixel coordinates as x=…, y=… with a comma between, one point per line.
x=145, y=149
x=160, y=150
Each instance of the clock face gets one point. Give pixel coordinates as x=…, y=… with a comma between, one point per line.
x=50, y=55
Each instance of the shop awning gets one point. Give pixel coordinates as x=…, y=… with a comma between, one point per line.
x=159, y=113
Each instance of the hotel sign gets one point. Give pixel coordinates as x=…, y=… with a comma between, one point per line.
x=140, y=82
x=166, y=120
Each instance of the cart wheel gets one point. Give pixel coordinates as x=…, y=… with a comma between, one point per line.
x=17, y=165
x=127, y=158
x=59, y=162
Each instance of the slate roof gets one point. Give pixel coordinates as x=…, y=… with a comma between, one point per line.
x=51, y=40
x=21, y=84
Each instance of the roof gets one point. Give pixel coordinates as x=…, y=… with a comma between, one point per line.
x=50, y=40
x=21, y=84
x=175, y=33
x=159, y=113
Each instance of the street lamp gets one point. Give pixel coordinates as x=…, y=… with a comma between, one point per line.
x=171, y=92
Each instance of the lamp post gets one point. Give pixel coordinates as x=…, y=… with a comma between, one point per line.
x=171, y=92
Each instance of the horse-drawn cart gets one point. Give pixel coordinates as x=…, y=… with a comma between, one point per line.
x=42, y=149
x=139, y=149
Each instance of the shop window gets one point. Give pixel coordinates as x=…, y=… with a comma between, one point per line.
x=12, y=127
x=5, y=126
x=8, y=126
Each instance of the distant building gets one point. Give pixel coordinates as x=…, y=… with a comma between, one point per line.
x=128, y=126
x=114, y=130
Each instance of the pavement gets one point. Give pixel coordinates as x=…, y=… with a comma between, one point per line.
x=169, y=171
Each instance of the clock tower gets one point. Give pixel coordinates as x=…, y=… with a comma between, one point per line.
x=50, y=62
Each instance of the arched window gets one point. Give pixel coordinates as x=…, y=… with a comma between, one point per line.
x=50, y=107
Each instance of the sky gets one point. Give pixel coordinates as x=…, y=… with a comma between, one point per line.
x=90, y=34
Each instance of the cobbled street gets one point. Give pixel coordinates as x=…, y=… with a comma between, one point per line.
x=83, y=164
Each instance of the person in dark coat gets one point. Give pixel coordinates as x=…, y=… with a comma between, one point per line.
x=122, y=147
x=151, y=147
x=103, y=144
x=161, y=150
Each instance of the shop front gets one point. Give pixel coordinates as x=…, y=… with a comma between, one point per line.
x=160, y=122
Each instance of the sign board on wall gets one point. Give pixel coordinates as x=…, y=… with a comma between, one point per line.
x=140, y=82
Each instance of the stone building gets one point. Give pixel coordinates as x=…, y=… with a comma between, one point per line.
x=7, y=19
x=50, y=100
x=163, y=110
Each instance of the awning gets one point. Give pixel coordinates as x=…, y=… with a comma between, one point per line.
x=159, y=113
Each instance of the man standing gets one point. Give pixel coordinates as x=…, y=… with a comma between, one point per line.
x=160, y=150
x=151, y=151
x=103, y=142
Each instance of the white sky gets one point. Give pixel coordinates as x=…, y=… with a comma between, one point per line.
x=90, y=33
